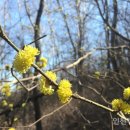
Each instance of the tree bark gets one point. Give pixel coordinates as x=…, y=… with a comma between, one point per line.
x=113, y=36
x=107, y=35
x=37, y=44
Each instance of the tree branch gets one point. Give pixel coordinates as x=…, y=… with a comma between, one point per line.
x=105, y=21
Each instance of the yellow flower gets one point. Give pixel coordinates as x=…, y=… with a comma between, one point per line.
x=117, y=104
x=126, y=93
x=64, y=91
x=45, y=86
x=125, y=108
x=42, y=63
x=11, y=129
x=4, y=103
x=11, y=105
x=15, y=119
x=6, y=90
x=25, y=58
x=23, y=104
x=97, y=74
x=120, y=105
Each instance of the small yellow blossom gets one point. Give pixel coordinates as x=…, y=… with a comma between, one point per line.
x=15, y=119
x=23, y=104
x=25, y=58
x=64, y=91
x=97, y=74
x=11, y=105
x=126, y=93
x=6, y=90
x=11, y=129
x=45, y=86
x=42, y=62
x=4, y=103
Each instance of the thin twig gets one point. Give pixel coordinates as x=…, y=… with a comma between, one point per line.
x=92, y=102
x=37, y=39
x=27, y=89
x=44, y=116
x=112, y=125
x=76, y=62
x=18, y=80
x=49, y=114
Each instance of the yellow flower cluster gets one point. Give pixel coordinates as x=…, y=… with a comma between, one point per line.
x=5, y=103
x=45, y=86
x=120, y=105
x=6, y=90
x=25, y=58
x=97, y=74
x=117, y=104
x=42, y=62
x=11, y=129
x=64, y=91
x=126, y=93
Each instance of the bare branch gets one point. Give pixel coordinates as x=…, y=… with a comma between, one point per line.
x=105, y=21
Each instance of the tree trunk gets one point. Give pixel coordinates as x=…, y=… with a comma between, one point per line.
x=113, y=37
x=37, y=44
